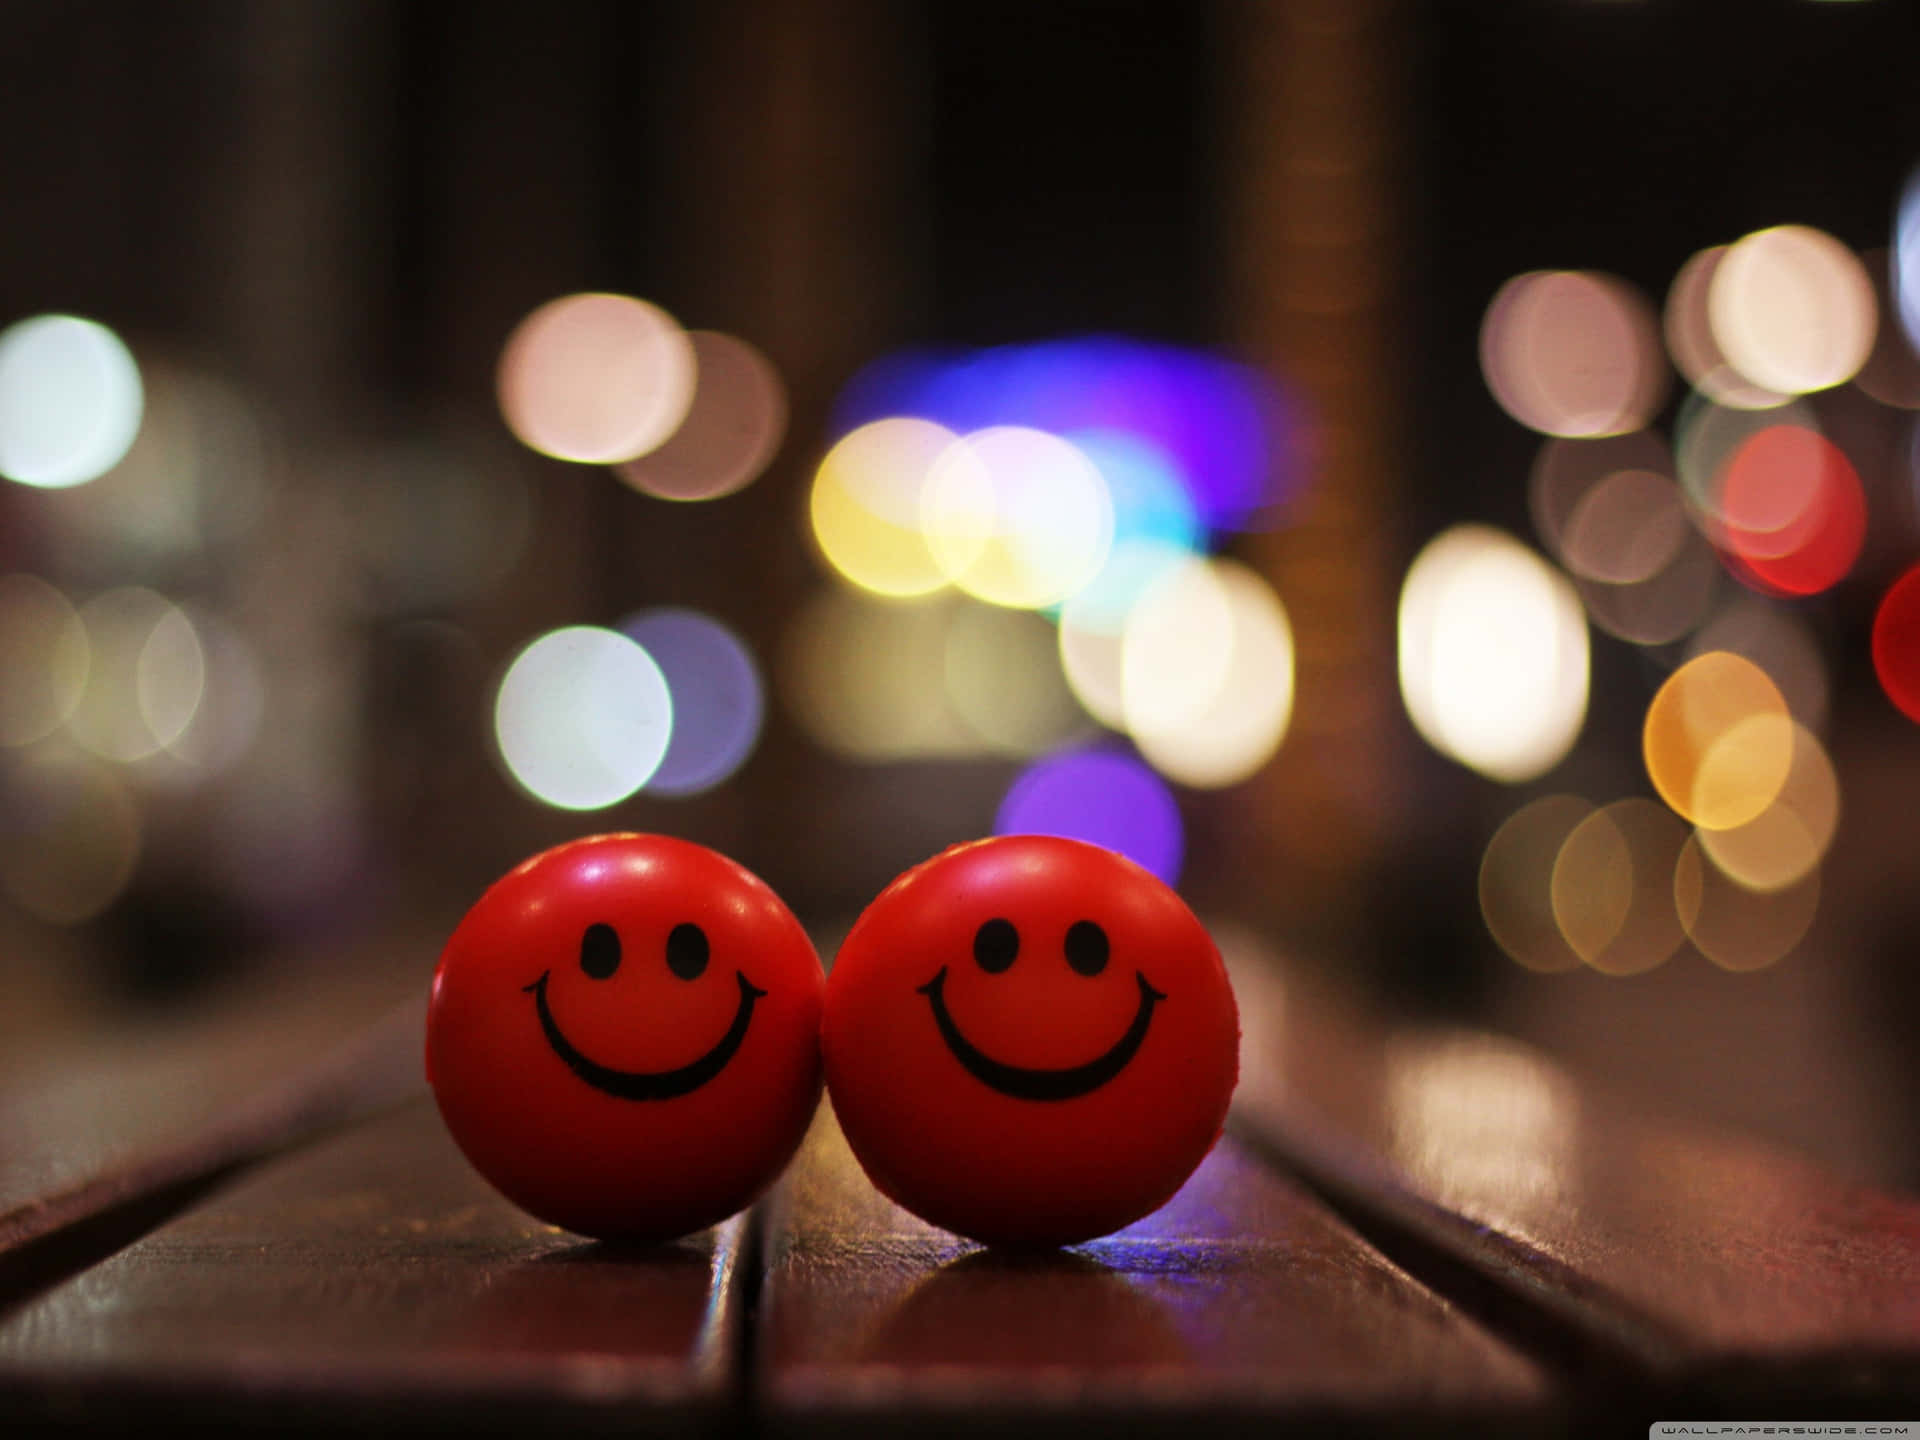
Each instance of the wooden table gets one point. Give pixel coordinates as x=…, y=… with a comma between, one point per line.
x=260, y=1220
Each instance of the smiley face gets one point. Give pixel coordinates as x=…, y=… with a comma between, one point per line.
x=687, y=951
x=1029, y=1040
x=623, y=1036
x=996, y=945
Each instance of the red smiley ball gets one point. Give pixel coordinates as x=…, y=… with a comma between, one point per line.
x=1030, y=1041
x=624, y=1036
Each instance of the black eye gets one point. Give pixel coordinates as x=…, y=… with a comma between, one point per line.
x=995, y=944
x=687, y=951
x=1087, y=947
x=600, y=951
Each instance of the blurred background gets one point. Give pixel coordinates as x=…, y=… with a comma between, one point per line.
x=1433, y=481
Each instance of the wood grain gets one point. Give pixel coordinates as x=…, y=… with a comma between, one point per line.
x=1680, y=1255
x=1242, y=1296
x=375, y=1278
x=100, y=1123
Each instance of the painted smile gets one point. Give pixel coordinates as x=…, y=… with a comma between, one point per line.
x=646, y=1084
x=1024, y=1084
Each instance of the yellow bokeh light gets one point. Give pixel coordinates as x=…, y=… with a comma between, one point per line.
x=1734, y=927
x=44, y=656
x=1003, y=680
x=1018, y=517
x=1718, y=740
x=1792, y=309
x=867, y=678
x=1207, y=673
x=1785, y=842
x=867, y=502
x=1573, y=353
x=132, y=686
x=1612, y=887
x=1516, y=882
x=596, y=378
x=1493, y=653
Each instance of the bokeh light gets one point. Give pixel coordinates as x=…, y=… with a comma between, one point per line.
x=1225, y=430
x=1792, y=309
x=1707, y=436
x=596, y=378
x=1896, y=643
x=1017, y=517
x=1516, y=882
x=1892, y=372
x=1785, y=842
x=1572, y=353
x=1734, y=927
x=732, y=430
x=1493, y=653
x=582, y=718
x=1794, y=515
x=1154, y=525
x=170, y=678
x=1718, y=741
x=145, y=678
x=867, y=678
x=195, y=481
x=1613, y=887
x=1004, y=681
x=1690, y=339
x=1626, y=529
x=44, y=657
x=1207, y=673
x=1565, y=470
x=1665, y=606
x=718, y=701
x=1102, y=796
x=70, y=400
x=1906, y=258
x=867, y=504
x=1781, y=642
x=233, y=698
x=70, y=836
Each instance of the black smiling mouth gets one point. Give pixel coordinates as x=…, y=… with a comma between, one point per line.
x=645, y=1084
x=1024, y=1084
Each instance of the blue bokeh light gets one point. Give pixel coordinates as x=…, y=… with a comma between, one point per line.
x=1227, y=432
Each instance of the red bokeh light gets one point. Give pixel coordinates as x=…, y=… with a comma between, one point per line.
x=1896, y=643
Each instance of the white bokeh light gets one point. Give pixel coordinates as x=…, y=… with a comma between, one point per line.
x=1493, y=654
x=70, y=401
x=1018, y=517
x=582, y=718
x=1207, y=673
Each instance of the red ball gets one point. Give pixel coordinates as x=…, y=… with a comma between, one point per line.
x=1030, y=1041
x=624, y=1036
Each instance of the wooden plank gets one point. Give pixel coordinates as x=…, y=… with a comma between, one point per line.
x=1242, y=1297
x=99, y=1124
x=1689, y=1259
x=375, y=1278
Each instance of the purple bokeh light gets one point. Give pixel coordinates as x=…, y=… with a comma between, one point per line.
x=1103, y=796
x=718, y=699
